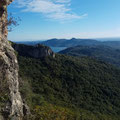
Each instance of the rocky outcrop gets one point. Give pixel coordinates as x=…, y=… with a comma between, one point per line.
x=37, y=51
x=9, y=80
x=11, y=104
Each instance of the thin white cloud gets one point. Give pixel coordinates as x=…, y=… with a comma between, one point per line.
x=63, y=1
x=53, y=9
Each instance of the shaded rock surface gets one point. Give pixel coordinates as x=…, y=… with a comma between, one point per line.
x=38, y=51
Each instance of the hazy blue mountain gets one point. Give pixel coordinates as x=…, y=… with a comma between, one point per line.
x=83, y=42
x=112, y=42
x=69, y=43
x=105, y=53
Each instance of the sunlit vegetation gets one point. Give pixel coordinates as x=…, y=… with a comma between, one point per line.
x=69, y=88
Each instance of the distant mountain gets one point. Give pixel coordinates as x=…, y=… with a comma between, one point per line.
x=69, y=43
x=83, y=42
x=104, y=53
x=115, y=43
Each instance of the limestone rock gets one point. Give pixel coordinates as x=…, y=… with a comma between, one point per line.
x=38, y=51
x=9, y=77
x=11, y=104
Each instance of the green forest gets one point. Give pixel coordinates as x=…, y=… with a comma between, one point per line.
x=70, y=88
x=100, y=52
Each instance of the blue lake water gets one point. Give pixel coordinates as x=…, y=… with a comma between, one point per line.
x=57, y=49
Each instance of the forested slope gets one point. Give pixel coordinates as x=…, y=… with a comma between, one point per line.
x=69, y=88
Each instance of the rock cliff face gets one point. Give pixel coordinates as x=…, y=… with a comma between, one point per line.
x=38, y=51
x=11, y=104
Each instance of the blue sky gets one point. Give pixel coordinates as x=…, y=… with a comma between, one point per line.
x=46, y=19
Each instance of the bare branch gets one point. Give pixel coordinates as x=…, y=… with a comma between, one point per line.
x=12, y=22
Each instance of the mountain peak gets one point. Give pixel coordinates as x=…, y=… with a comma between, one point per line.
x=73, y=39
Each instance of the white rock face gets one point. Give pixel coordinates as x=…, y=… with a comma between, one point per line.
x=38, y=51
x=9, y=73
x=13, y=108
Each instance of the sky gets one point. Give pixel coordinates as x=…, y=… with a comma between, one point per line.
x=46, y=19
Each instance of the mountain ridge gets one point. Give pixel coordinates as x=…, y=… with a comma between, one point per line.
x=101, y=52
x=73, y=42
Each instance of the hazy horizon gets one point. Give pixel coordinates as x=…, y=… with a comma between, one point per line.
x=99, y=39
x=46, y=19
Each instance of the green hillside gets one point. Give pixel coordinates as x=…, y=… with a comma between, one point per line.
x=104, y=53
x=69, y=88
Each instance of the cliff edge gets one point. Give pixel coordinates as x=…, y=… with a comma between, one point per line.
x=37, y=51
x=11, y=104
